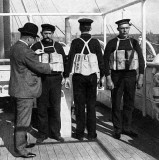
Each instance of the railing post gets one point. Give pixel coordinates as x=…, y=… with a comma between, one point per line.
x=105, y=32
x=144, y=53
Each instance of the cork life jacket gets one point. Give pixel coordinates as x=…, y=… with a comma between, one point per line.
x=85, y=64
x=124, y=59
x=53, y=58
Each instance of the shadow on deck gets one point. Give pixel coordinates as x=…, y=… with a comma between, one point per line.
x=146, y=146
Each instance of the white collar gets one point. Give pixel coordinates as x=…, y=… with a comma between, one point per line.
x=23, y=42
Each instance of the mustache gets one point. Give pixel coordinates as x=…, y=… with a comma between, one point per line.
x=47, y=39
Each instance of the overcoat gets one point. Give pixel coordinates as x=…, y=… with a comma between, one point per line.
x=25, y=81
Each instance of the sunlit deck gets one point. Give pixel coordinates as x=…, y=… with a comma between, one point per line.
x=145, y=147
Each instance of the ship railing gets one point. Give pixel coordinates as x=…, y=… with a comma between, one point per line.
x=154, y=66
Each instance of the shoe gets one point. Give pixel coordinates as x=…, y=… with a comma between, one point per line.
x=117, y=135
x=80, y=138
x=91, y=138
x=130, y=133
x=59, y=138
x=41, y=139
x=29, y=155
x=31, y=145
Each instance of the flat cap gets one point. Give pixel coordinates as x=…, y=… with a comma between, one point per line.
x=48, y=27
x=123, y=21
x=85, y=21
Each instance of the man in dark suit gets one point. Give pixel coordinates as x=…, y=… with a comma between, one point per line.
x=25, y=84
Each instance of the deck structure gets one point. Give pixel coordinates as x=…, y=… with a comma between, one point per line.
x=145, y=147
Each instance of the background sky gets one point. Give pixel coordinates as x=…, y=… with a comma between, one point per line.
x=61, y=6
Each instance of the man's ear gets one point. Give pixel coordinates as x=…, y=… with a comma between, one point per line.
x=118, y=28
x=28, y=39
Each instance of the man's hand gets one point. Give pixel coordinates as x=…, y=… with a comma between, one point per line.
x=51, y=66
x=63, y=81
x=109, y=83
x=140, y=81
x=67, y=83
x=39, y=51
x=100, y=83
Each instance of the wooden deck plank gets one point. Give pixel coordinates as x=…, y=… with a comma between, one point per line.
x=131, y=150
x=59, y=152
x=118, y=147
x=37, y=152
x=82, y=151
x=68, y=154
x=140, y=152
x=43, y=152
x=90, y=151
x=74, y=151
x=4, y=153
x=99, y=151
x=112, y=147
x=123, y=149
x=104, y=148
x=51, y=152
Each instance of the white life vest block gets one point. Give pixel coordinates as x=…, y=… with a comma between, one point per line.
x=85, y=64
x=119, y=62
x=53, y=58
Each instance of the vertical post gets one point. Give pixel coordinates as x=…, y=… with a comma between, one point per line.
x=67, y=31
x=144, y=53
x=7, y=31
x=1, y=31
x=105, y=32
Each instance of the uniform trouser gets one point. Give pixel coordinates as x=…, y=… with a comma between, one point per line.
x=49, y=106
x=124, y=88
x=22, y=123
x=84, y=90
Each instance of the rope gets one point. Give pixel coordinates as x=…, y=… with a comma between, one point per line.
x=146, y=37
x=15, y=17
x=25, y=9
x=112, y=29
x=57, y=10
x=16, y=12
x=38, y=10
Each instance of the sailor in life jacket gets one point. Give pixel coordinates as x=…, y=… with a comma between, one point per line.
x=50, y=52
x=85, y=62
x=123, y=58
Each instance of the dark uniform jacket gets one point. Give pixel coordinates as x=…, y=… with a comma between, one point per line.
x=58, y=47
x=77, y=46
x=25, y=66
x=123, y=45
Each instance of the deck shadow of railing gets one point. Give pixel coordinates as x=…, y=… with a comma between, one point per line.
x=144, y=143
x=7, y=124
x=7, y=133
x=103, y=119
